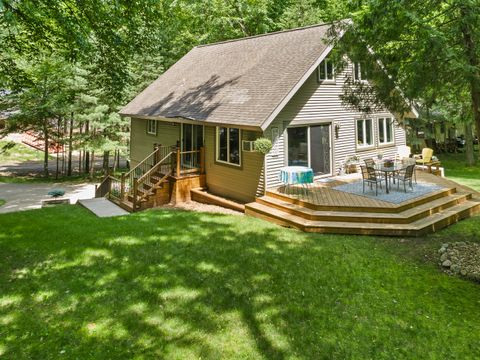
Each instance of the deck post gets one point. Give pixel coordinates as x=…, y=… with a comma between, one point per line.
x=134, y=199
x=202, y=160
x=177, y=173
x=122, y=187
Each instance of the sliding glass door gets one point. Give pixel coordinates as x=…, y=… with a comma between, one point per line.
x=298, y=146
x=310, y=146
x=320, y=149
x=192, y=140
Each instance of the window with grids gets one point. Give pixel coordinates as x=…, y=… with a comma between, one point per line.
x=152, y=127
x=385, y=131
x=228, y=145
x=364, y=133
x=360, y=72
x=326, y=71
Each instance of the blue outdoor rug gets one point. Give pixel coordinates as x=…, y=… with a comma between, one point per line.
x=395, y=196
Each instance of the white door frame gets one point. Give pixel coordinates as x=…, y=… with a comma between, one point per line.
x=309, y=158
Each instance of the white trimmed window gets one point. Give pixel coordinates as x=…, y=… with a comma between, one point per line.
x=364, y=133
x=228, y=145
x=326, y=71
x=152, y=127
x=359, y=72
x=385, y=131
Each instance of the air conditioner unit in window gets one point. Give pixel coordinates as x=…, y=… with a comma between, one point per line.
x=248, y=145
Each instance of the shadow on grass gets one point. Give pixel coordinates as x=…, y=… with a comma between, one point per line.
x=172, y=284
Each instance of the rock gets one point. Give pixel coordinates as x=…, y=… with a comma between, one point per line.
x=455, y=268
x=463, y=272
x=447, y=263
x=444, y=257
x=442, y=250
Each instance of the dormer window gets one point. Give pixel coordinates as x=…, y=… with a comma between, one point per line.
x=326, y=71
x=359, y=72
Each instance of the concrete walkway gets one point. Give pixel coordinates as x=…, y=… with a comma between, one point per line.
x=103, y=207
x=20, y=197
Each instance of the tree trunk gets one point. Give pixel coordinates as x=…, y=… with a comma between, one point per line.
x=469, y=144
x=87, y=153
x=70, y=142
x=473, y=60
x=106, y=162
x=92, y=165
x=45, y=148
x=57, y=148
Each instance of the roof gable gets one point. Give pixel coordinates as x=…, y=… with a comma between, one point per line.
x=240, y=82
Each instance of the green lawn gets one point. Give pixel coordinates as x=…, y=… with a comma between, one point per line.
x=456, y=170
x=19, y=152
x=181, y=285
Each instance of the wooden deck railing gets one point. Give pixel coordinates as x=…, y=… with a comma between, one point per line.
x=189, y=162
x=164, y=160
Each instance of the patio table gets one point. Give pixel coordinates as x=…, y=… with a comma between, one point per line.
x=296, y=175
x=398, y=166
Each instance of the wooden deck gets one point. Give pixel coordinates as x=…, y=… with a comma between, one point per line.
x=326, y=210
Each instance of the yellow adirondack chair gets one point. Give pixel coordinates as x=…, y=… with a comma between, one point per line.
x=425, y=158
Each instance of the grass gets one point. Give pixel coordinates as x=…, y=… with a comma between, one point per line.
x=181, y=285
x=19, y=152
x=2, y=202
x=456, y=170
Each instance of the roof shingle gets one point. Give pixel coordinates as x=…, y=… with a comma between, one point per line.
x=237, y=82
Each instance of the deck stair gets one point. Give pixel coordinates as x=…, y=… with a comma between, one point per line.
x=416, y=217
x=152, y=182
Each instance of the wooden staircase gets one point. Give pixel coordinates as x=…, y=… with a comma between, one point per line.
x=412, y=218
x=155, y=180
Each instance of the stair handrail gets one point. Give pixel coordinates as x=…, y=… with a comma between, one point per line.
x=100, y=190
x=148, y=174
x=142, y=162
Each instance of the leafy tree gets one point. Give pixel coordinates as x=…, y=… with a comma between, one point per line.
x=40, y=102
x=425, y=47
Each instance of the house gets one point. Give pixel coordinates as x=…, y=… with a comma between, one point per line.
x=281, y=86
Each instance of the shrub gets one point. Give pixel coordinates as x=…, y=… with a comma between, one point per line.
x=263, y=145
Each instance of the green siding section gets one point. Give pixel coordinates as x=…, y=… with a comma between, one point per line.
x=141, y=143
x=242, y=183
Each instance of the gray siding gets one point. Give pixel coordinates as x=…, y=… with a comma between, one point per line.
x=317, y=103
x=141, y=143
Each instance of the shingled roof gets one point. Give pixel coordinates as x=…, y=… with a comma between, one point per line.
x=241, y=82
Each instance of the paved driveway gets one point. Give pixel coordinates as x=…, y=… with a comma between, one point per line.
x=29, y=196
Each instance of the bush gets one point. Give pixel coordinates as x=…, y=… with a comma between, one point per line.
x=263, y=145
x=56, y=193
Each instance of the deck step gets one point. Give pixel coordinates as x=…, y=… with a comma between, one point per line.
x=413, y=203
x=403, y=217
x=431, y=223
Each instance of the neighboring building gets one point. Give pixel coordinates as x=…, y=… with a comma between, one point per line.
x=280, y=86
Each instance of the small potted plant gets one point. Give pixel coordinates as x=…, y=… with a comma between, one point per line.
x=388, y=163
x=351, y=163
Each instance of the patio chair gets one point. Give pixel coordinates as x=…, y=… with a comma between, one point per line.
x=403, y=152
x=425, y=157
x=405, y=176
x=369, y=177
x=371, y=163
